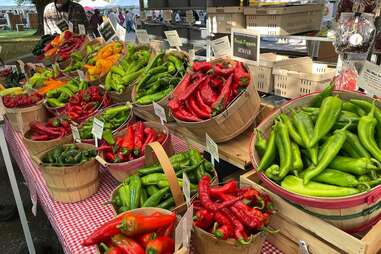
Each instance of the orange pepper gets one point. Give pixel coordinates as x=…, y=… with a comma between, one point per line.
x=51, y=52
x=56, y=41
x=49, y=85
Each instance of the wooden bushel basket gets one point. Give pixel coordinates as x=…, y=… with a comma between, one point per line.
x=234, y=120
x=122, y=170
x=37, y=147
x=20, y=118
x=352, y=213
x=69, y=184
x=206, y=243
x=154, y=151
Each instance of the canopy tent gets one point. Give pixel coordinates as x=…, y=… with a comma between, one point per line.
x=94, y=4
x=123, y=3
x=12, y=5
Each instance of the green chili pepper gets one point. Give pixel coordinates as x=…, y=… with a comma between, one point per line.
x=269, y=155
x=167, y=204
x=260, y=143
x=191, y=168
x=118, y=70
x=148, y=99
x=154, y=200
x=283, y=144
x=126, y=80
x=208, y=167
x=135, y=191
x=354, y=142
x=107, y=136
x=297, y=163
x=143, y=197
x=291, y=129
x=329, y=112
x=322, y=95
x=349, y=151
x=350, y=107
x=273, y=173
x=304, y=125
x=315, y=189
x=156, y=168
x=366, y=128
x=333, y=147
x=152, y=189
x=165, y=183
x=336, y=177
x=153, y=179
x=358, y=166
x=124, y=194
x=177, y=62
x=171, y=68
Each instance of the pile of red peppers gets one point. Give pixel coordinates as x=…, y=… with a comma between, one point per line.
x=228, y=211
x=85, y=103
x=132, y=233
x=21, y=100
x=208, y=90
x=57, y=127
x=132, y=144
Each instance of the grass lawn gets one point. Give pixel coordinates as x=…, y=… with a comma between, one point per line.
x=16, y=44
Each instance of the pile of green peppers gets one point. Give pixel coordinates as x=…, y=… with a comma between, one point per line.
x=129, y=69
x=150, y=187
x=78, y=61
x=112, y=118
x=331, y=148
x=159, y=78
x=68, y=155
x=58, y=97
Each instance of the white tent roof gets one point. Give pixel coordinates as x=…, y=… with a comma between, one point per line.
x=123, y=3
x=11, y=4
x=94, y=4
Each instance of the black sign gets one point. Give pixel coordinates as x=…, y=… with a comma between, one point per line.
x=107, y=31
x=245, y=46
x=62, y=25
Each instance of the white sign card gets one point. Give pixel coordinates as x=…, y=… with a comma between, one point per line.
x=183, y=230
x=81, y=74
x=245, y=45
x=107, y=31
x=186, y=188
x=97, y=130
x=121, y=32
x=370, y=79
x=81, y=29
x=173, y=38
x=212, y=148
x=62, y=25
x=221, y=47
x=142, y=36
x=75, y=132
x=160, y=112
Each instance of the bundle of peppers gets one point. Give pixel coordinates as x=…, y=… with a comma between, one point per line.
x=329, y=149
x=78, y=59
x=21, y=100
x=40, y=45
x=57, y=127
x=131, y=145
x=63, y=45
x=208, y=90
x=134, y=233
x=230, y=212
x=40, y=76
x=57, y=98
x=69, y=154
x=106, y=57
x=129, y=69
x=160, y=77
x=11, y=78
x=150, y=187
x=112, y=118
x=85, y=103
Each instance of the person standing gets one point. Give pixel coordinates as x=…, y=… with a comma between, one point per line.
x=95, y=21
x=113, y=18
x=122, y=18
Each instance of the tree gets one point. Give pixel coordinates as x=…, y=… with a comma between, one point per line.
x=40, y=7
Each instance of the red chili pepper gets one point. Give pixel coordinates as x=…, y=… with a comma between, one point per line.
x=221, y=70
x=203, y=106
x=191, y=89
x=161, y=245
x=239, y=230
x=196, y=109
x=139, y=138
x=203, y=218
x=129, y=139
x=109, y=157
x=216, y=82
x=133, y=224
x=111, y=249
x=150, y=137
x=184, y=115
x=241, y=75
x=145, y=238
x=225, y=229
x=127, y=245
x=207, y=93
x=104, y=232
x=206, y=201
x=201, y=66
x=223, y=99
x=229, y=187
x=161, y=137
x=182, y=86
x=39, y=137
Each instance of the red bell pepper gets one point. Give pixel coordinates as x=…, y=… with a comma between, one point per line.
x=161, y=245
x=127, y=245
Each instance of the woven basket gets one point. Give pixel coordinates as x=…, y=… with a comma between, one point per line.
x=347, y=213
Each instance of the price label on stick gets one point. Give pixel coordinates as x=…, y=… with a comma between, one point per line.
x=245, y=45
x=221, y=47
x=62, y=25
x=160, y=112
x=76, y=136
x=212, y=148
x=173, y=38
x=81, y=29
x=97, y=130
x=186, y=188
x=81, y=74
x=107, y=31
x=142, y=36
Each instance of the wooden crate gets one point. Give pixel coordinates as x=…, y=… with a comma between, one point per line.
x=320, y=236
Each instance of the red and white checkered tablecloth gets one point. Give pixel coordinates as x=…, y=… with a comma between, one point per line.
x=73, y=222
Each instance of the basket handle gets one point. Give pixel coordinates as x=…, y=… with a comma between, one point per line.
x=162, y=157
x=36, y=159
